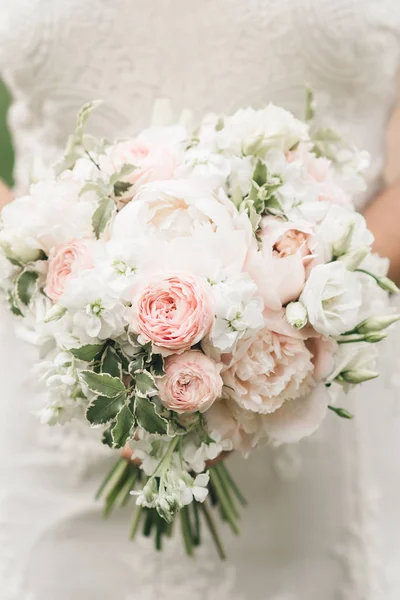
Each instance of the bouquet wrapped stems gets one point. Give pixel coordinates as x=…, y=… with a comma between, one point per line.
x=224, y=495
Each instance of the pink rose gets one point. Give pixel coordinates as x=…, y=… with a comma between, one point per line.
x=267, y=370
x=192, y=382
x=279, y=268
x=65, y=263
x=173, y=313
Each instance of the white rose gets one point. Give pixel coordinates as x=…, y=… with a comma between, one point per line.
x=332, y=297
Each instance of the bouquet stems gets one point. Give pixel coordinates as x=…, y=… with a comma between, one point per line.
x=125, y=477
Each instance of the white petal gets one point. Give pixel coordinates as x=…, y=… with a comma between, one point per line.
x=298, y=418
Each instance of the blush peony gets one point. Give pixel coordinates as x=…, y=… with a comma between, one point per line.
x=65, y=263
x=279, y=268
x=267, y=370
x=173, y=313
x=192, y=382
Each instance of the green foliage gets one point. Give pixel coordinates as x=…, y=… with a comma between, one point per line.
x=88, y=352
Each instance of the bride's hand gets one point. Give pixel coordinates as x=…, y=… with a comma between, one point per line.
x=127, y=453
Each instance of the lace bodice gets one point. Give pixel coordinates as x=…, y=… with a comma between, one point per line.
x=207, y=56
x=320, y=525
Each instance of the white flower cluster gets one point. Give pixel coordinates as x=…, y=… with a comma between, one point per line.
x=197, y=289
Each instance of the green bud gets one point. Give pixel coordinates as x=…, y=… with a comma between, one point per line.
x=55, y=313
x=374, y=324
x=357, y=376
x=343, y=245
x=388, y=285
x=341, y=412
x=375, y=336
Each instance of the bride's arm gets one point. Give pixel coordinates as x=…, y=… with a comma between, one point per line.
x=383, y=218
x=5, y=194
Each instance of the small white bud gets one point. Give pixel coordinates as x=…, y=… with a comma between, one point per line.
x=296, y=315
x=354, y=258
x=374, y=324
x=343, y=244
x=357, y=375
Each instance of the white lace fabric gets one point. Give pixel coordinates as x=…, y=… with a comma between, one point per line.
x=323, y=517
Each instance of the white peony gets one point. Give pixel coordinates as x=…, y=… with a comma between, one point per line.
x=332, y=297
x=51, y=215
x=170, y=209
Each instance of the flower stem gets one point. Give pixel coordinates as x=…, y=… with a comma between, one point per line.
x=186, y=530
x=136, y=522
x=224, y=501
x=233, y=485
x=213, y=531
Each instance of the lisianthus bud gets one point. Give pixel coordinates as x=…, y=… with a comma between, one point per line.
x=354, y=258
x=375, y=336
x=374, y=324
x=296, y=315
x=55, y=313
x=343, y=244
x=388, y=285
x=357, y=376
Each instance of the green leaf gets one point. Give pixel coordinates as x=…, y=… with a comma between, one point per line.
x=103, y=410
x=144, y=383
x=260, y=173
x=309, y=112
x=111, y=363
x=136, y=364
x=107, y=437
x=103, y=383
x=121, y=187
x=88, y=352
x=157, y=366
x=13, y=305
x=122, y=430
x=102, y=215
x=125, y=170
x=26, y=286
x=147, y=417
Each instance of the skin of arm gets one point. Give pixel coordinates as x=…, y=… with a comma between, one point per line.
x=5, y=195
x=383, y=219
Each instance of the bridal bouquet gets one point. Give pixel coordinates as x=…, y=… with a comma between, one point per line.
x=196, y=290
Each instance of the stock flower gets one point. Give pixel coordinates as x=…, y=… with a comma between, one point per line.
x=192, y=382
x=65, y=262
x=174, y=313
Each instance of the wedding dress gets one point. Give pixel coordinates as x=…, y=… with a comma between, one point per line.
x=323, y=521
